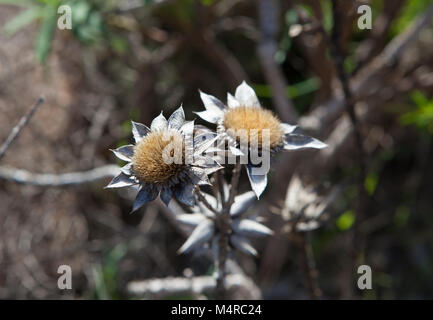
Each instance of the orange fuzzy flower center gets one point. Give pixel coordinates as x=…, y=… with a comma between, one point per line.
x=252, y=121
x=159, y=156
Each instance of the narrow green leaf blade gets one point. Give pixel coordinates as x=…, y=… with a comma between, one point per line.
x=46, y=32
x=21, y=20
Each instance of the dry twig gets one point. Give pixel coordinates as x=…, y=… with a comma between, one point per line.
x=267, y=48
x=58, y=180
x=17, y=129
x=308, y=265
x=225, y=231
x=196, y=285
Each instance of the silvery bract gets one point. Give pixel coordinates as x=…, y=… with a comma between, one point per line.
x=204, y=229
x=303, y=207
x=144, y=160
x=246, y=99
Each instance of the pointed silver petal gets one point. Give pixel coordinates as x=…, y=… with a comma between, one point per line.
x=212, y=150
x=242, y=203
x=251, y=228
x=198, y=176
x=188, y=128
x=191, y=219
x=121, y=180
x=210, y=116
x=327, y=201
x=124, y=153
x=235, y=151
x=292, y=201
x=200, y=129
x=211, y=170
x=211, y=103
x=127, y=169
x=166, y=196
x=202, y=138
x=139, y=131
x=258, y=182
x=205, y=211
x=246, y=96
x=243, y=245
x=202, y=147
x=177, y=118
x=145, y=195
x=307, y=226
x=210, y=199
x=205, y=162
x=287, y=128
x=202, y=234
x=159, y=123
x=232, y=102
x=185, y=194
x=299, y=141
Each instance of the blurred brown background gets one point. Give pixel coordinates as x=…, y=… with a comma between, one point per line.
x=128, y=60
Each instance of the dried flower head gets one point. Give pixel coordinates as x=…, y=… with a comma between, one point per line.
x=254, y=120
x=166, y=160
x=244, y=113
x=148, y=161
x=304, y=208
x=206, y=230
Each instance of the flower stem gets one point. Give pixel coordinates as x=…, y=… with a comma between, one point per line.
x=225, y=229
x=308, y=266
x=203, y=200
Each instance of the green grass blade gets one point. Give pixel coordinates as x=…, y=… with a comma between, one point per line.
x=21, y=20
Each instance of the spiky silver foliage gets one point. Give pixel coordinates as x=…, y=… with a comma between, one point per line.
x=283, y=135
x=205, y=230
x=145, y=167
x=304, y=208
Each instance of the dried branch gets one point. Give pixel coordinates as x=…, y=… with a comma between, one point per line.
x=242, y=24
x=323, y=115
x=58, y=180
x=338, y=58
x=368, y=49
x=340, y=135
x=327, y=118
x=234, y=185
x=312, y=44
x=98, y=122
x=395, y=49
x=227, y=64
x=308, y=265
x=267, y=48
x=17, y=129
x=159, y=288
x=359, y=155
